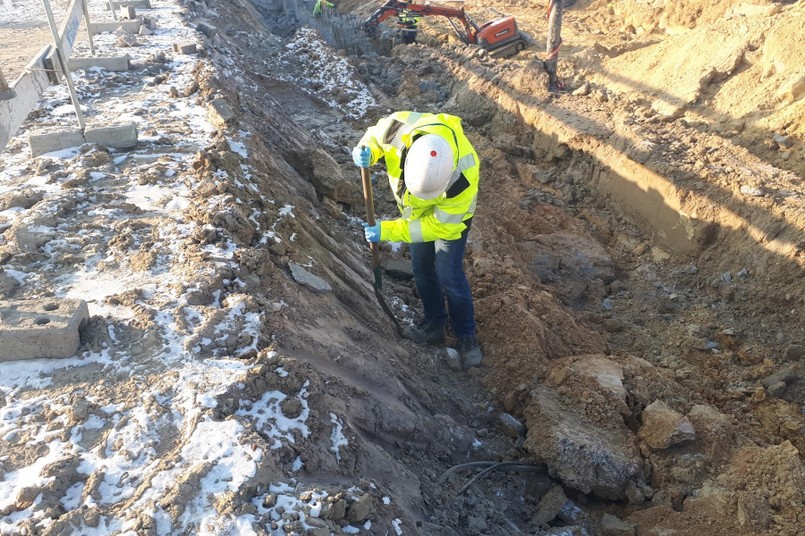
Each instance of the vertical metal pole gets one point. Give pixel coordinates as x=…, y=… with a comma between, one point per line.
x=63, y=64
x=89, y=29
x=553, y=43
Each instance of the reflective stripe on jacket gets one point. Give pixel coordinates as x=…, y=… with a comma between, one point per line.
x=425, y=220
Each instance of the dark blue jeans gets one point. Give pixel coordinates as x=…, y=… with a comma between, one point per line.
x=439, y=272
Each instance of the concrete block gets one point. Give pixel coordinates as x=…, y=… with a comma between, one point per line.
x=207, y=29
x=131, y=12
x=130, y=26
x=47, y=142
x=142, y=4
x=185, y=49
x=122, y=136
x=109, y=63
x=31, y=329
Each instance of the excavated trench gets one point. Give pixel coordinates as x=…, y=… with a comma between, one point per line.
x=618, y=370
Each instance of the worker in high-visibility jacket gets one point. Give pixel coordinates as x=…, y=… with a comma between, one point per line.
x=433, y=172
x=407, y=21
x=317, y=7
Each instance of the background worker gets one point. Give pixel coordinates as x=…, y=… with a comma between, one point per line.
x=321, y=4
x=433, y=172
x=407, y=22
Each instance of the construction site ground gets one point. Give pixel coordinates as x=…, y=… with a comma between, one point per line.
x=636, y=259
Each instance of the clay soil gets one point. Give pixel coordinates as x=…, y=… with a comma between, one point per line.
x=642, y=367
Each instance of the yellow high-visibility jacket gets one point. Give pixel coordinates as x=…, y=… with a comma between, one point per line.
x=425, y=220
x=318, y=6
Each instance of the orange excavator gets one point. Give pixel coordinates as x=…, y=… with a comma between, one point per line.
x=500, y=37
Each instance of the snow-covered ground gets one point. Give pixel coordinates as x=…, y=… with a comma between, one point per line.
x=130, y=436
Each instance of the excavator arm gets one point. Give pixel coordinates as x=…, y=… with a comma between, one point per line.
x=467, y=31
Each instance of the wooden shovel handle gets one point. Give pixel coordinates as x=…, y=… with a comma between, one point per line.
x=368, y=199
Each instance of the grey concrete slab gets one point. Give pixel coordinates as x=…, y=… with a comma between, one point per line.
x=123, y=136
x=143, y=4
x=109, y=63
x=130, y=26
x=49, y=327
x=47, y=142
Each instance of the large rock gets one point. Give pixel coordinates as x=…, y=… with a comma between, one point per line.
x=317, y=166
x=583, y=454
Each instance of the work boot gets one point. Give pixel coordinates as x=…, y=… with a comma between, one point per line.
x=470, y=352
x=426, y=331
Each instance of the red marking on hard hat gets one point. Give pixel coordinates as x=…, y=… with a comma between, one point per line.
x=433, y=153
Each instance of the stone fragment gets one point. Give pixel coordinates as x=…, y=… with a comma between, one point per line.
x=612, y=526
x=360, y=510
x=511, y=425
x=663, y=427
x=788, y=373
x=751, y=191
x=335, y=510
x=311, y=281
x=550, y=505
x=783, y=142
x=219, y=112
x=583, y=90
x=127, y=40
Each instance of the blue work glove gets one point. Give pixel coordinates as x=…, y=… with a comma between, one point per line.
x=362, y=156
x=372, y=232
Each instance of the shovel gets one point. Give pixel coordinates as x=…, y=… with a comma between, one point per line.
x=370, y=218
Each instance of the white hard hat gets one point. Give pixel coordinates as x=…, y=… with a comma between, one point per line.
x=428, y=166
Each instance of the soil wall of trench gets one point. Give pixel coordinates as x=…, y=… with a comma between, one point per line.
x=622, y=415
